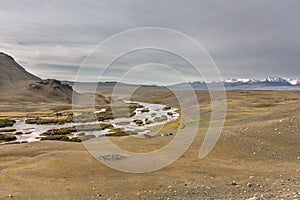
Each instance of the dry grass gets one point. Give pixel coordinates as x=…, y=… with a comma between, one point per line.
x=259, y=145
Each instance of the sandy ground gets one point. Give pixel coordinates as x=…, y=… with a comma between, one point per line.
x=257, y=155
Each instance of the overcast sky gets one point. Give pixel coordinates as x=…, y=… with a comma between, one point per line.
x=246, y=39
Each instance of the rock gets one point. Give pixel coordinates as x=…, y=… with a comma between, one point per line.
x=170, y=113
x=234, y=183
x=112, y=157
x=249, y=184
x=34, y=86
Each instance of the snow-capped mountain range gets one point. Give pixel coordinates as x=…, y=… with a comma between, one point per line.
x=266, y=80
x=270, y=83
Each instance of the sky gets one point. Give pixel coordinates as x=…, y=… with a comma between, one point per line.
x=245, y=39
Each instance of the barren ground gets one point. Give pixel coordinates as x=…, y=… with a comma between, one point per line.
x=258, y=154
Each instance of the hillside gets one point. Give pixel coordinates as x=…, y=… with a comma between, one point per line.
x=12, y=72
x=22, y=90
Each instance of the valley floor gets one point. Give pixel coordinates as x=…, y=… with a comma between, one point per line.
x=257, y=157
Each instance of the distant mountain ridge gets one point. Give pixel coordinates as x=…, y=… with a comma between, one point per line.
x=90, y=86
x=274, y=80
x=270, y=83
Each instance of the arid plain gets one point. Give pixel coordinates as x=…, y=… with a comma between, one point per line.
x=257, y=156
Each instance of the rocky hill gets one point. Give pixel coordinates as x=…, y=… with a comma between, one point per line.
x=12, y=72
x=17, y=86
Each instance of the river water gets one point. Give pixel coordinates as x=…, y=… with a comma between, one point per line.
x=33, y=131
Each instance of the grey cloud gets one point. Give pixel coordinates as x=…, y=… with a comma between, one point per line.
x=249, y=39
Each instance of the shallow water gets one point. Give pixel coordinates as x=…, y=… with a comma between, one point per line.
x=155, y=110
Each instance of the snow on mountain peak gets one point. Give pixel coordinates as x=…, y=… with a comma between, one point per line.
x=288, y=80
x=293, y=81
x=239, y=80
x=274, y=79
x=269, y=79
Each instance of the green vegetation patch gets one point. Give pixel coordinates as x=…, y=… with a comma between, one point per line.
x=122, y=123
x=61, y=138
x=119, y=132
x=107, y=115
x=61, y=131
x=138, y=122
x=6, y=123
x=148, y=121
x=145, y=110
x=94, y=127
x=86, y=137
x=167, y=108
x=161, y=118
x=7, y=138
x=85, y=117
x=8, y=130
x=43, y=121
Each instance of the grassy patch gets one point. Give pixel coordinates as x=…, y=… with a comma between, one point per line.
x=161, y=118
x=138, y=122
x=7, y=137
x=145, y=110
x=119, y=111
x=167, y=108
x=148, y=121
x=8, y=130
x=61, y=138
x=43, y=121
x=118, y=132
x=86, y=137
x=61, y=131
x=94, y=127
x=85, y=117
x=6, y=123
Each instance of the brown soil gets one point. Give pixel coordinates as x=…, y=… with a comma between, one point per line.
x=257, y=154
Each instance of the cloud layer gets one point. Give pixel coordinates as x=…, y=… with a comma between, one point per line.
x=247, y=39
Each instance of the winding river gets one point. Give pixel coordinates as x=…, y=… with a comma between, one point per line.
x=31, y=132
